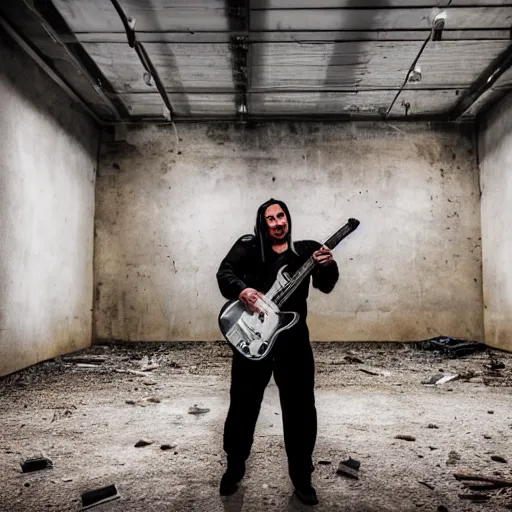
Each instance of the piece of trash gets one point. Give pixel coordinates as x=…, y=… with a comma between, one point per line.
x=453, y=458
x=150, y=367
x=495, y=365
x=405, y=437
x=352, y=359
x=198, y=410
x=149, y=383
x=446, y=378
x=143, y=442
x=349, y=468
x=468, y=475
x=432, y=380
x=477, y=498
x=87, y=365
x=426, y=484
x=369, y=372
x=67, y=479
x=497, y=458
x=452, y=347
x=84, y=360
x=168, y=447
x=99, y=496
x=36, y=464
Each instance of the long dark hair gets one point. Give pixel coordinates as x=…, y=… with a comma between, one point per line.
x=261, y=228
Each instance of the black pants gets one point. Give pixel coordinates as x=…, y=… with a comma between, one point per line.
x=292, y=362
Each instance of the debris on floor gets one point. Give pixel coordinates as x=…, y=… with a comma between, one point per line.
x=94, y=360
x=453, y=458
x=452, y=347
x=355, y=409
x=36, y=464
x=143, y=442
x=99, y=496
x=198, y=410
x=405, y=437
x=349, y=468
x=483, y=486
x=166, y=447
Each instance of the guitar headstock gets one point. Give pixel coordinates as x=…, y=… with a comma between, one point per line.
x=353, y=223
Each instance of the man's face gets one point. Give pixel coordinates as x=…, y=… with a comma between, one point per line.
x=277, y=222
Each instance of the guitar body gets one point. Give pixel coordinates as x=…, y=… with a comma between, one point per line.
x=254, y=334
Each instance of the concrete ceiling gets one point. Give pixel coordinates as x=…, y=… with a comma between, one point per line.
x=269, y=59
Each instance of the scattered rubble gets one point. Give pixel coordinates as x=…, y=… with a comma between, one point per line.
x=453, y=458
x=198, y=410
x=405, y=437
x=349, y=468
x=143, y=442
x=36, y=464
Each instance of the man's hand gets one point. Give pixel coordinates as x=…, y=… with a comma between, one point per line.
x=323, y=255
x=249, y=297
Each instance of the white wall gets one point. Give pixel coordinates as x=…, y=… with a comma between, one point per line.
x=48, y=151
x=167, y=213
x=495, y=152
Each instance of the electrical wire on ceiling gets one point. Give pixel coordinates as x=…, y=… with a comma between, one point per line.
x=150, y=70
x=437, y=25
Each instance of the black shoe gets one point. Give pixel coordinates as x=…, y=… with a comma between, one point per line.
x=230, y=480
x=307, y=495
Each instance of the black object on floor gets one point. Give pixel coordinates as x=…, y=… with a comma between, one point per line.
x=36, y=464
x=99, y=496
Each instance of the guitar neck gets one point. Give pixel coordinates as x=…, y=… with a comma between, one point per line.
x=305, y=270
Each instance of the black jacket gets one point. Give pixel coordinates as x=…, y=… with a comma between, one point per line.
x=243, y=267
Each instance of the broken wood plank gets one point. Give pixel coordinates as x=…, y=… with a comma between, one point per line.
x=503, y=482
x=84, y=359
x=133, y=372
x=477, y=498
x=481, y=486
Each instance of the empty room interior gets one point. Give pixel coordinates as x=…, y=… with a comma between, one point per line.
x=168, y=342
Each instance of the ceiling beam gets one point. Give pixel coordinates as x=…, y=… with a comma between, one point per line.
x=11, y=31
x=73, y=59
x=237, y=13
x=151, y=72
x=483, y=83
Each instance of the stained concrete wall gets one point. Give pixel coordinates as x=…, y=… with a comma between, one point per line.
x=48, y=154
x=495, y=152
x=167, y=212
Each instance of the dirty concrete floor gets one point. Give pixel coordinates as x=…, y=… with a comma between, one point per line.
x=87, y=421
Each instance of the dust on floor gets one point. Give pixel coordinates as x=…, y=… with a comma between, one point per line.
x=86, y=413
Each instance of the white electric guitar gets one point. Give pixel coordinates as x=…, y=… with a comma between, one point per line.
x=254, y=334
